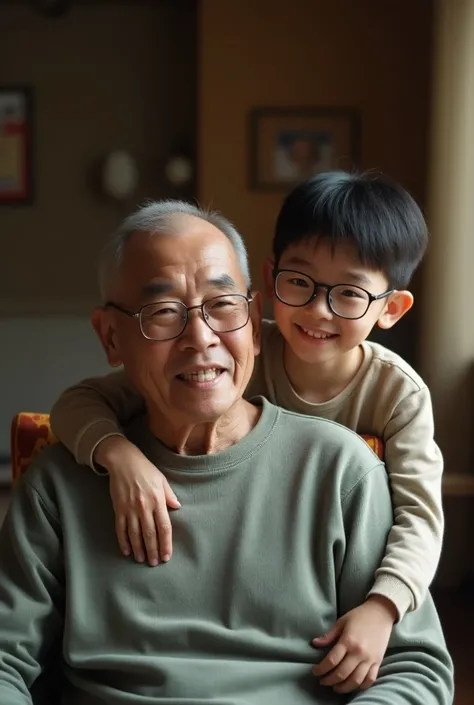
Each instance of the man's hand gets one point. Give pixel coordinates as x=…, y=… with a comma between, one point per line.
x=141, y=495
x=362, y=637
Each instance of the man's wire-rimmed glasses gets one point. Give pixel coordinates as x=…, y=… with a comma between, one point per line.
x=166, y=320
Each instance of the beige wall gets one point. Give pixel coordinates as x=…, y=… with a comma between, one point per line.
x=369, y=54
x=105, y=77
x=447, y=334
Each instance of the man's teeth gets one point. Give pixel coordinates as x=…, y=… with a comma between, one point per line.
x=314, y=334
x=202, y=375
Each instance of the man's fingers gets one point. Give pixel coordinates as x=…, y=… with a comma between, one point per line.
x=163, y=526
x=329, y=662
x=135, y=537
x=150, y=539
x=122, y=535
x=355, y=680
x=342, y=671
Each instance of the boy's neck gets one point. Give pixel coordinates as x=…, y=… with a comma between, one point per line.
x=318, y=383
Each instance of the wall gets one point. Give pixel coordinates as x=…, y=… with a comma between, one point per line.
x=105, y=76
x=39, y=358
x=369, y=54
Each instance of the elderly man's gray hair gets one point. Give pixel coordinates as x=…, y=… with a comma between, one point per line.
x=155, y=218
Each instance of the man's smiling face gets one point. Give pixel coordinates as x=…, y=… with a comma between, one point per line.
x=199, y=375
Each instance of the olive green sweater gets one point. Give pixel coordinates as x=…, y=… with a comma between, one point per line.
x=277, y=536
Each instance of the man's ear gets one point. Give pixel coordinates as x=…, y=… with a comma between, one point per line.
x=102, y=320
x=256, y=318
x=268, y=279
x=397, y=306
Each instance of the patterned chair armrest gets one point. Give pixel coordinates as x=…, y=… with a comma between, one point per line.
x=376, y=444
x=30, y=433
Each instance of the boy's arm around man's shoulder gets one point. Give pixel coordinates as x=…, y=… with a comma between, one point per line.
x=415, y=467
x=92, y=410
x=417, y=669
x=31, y=590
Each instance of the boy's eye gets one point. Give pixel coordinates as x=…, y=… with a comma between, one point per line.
x=297, y=281
x=351, y=293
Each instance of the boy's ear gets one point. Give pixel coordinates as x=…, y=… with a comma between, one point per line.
x=397, y=305
x=256, y=318
x=102, y=320
x=268, y=280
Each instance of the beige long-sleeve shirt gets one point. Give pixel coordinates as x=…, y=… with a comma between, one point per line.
x=386, y=398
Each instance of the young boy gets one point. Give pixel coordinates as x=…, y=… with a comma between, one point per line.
x=345, y=248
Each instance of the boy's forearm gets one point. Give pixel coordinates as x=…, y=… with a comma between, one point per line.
x=414, y=543
x=396, y=590
x=415, y=468
x=92, y=410
x=92, y=448
x=416, y=669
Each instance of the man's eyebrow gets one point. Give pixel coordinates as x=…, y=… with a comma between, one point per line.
x=224, y=281
x=156, y=288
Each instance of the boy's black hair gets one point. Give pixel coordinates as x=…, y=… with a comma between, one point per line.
x=377, y=215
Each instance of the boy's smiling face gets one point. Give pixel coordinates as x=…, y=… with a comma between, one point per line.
x=314, y=332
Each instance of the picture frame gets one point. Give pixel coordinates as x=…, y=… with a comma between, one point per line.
x=16, y=145
x=287, y=145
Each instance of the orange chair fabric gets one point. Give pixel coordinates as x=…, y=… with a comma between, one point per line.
x=376, y=444
x=31, y=433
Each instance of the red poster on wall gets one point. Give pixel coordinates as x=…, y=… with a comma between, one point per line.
x=15, y=146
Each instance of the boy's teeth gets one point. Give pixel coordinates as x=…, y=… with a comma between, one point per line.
x=313, y=334
x=202, y=375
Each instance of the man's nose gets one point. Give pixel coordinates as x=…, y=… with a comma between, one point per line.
x=197, y=334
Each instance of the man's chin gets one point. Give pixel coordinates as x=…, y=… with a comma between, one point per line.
x=204, y=410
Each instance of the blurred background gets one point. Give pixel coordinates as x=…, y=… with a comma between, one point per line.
x=219, y=100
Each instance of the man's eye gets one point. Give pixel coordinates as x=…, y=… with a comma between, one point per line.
x=163, y=312
x=223, y=304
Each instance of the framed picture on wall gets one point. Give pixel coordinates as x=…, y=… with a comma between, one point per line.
x=288, y=145
x=16, y=178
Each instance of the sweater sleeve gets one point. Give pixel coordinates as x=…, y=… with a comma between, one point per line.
x=31, y=593
x=417, y=669
x=88, y=412
x=415, y=468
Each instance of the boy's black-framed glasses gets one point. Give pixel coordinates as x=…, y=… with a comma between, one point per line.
x=344, y=300
x=166, y=320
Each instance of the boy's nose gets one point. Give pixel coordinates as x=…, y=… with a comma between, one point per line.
x=320, y=305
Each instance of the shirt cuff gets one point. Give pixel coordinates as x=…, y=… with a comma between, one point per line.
x=396, y=591
x=90, y=439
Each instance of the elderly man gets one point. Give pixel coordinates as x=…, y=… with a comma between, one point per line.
x=284, y=517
